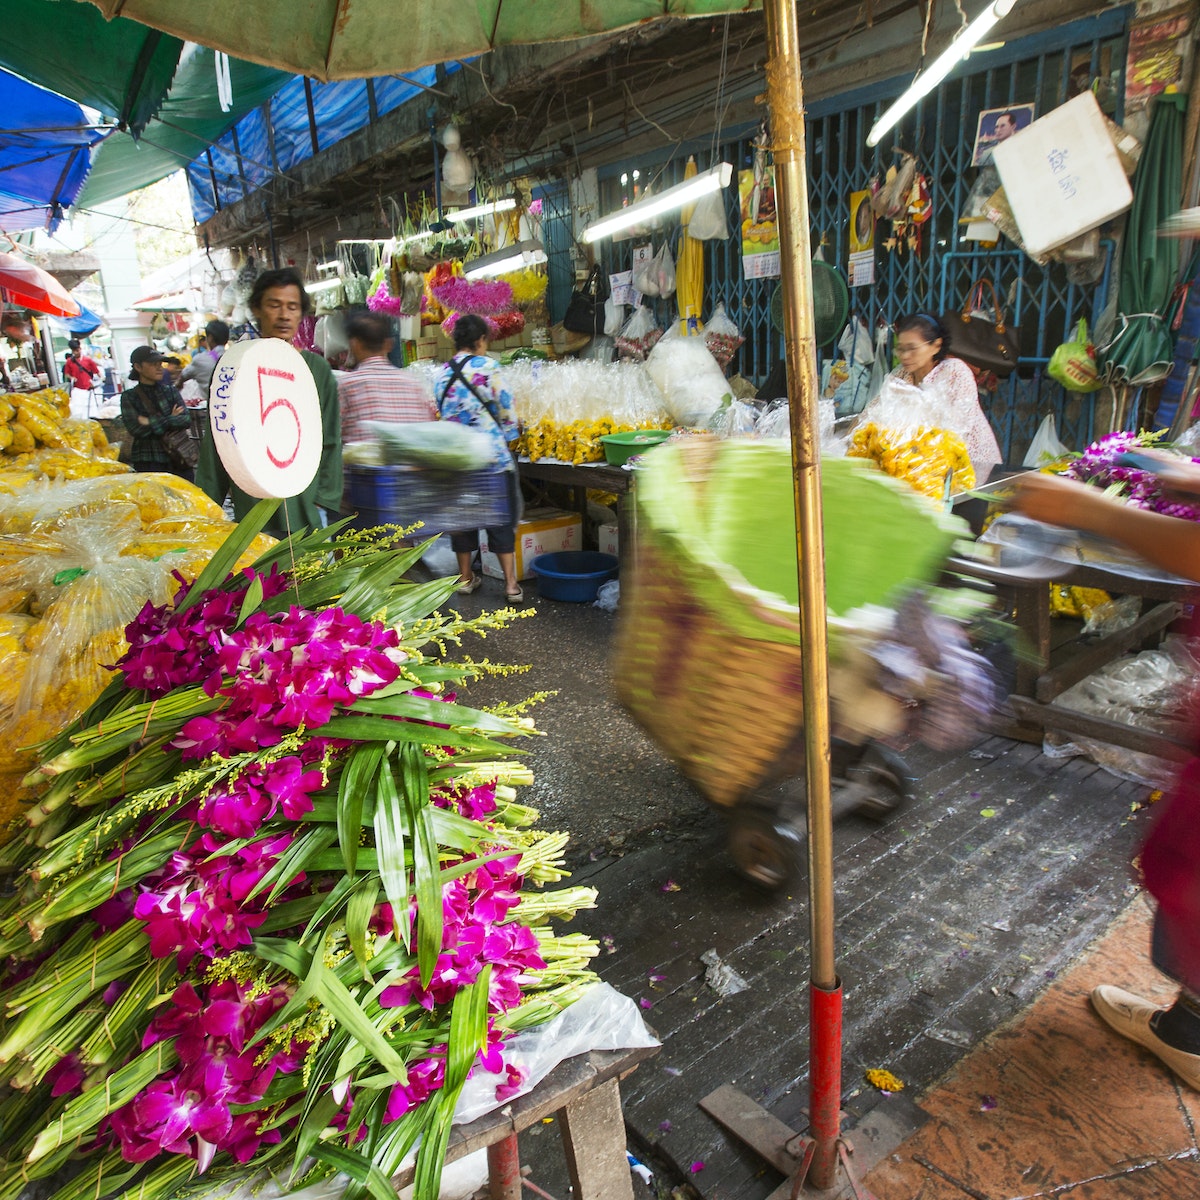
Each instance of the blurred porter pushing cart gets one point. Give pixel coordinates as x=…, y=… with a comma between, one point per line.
x=708, y=655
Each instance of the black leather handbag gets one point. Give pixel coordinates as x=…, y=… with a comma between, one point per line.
x=585, y=312
x=989, y=345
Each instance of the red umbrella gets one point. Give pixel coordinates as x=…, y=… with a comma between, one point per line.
x=27, y=286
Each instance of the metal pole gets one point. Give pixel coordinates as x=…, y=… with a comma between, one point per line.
x=785, y=99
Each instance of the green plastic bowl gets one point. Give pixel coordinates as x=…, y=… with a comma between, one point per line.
x=619, y=448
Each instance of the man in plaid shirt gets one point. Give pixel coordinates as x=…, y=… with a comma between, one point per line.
x=375, y=390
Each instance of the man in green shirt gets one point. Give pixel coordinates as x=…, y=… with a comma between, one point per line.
x=278, y=303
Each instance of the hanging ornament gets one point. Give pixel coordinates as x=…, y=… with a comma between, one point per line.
x=458, y=174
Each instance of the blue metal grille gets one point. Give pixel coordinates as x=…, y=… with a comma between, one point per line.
x=941, y=132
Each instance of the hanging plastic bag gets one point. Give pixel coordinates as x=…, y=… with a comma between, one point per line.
x=1045, y=446
x=614, y=317
x=855, y=343
x=722, y=336
x=664, y=271
x=1073, y=364
x=645, y=274
x=708, y=223
x=639, y=336
x=879, y=368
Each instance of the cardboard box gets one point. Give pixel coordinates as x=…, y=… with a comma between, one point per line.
x=1062, y=175
x=543, y=531
x=609, y=538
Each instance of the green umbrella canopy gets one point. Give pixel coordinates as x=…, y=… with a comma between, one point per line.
x=1142, y=351
x=339, y=40
x=119, y=67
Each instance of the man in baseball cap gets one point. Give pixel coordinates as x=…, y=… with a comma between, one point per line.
x=149, y=409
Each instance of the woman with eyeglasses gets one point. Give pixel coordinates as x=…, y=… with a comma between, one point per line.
x=924, y=349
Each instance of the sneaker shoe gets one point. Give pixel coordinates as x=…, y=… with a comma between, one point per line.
x=1130, y=1016
x=465, y=589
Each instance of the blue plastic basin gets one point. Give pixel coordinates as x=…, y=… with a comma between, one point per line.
x=573, y=575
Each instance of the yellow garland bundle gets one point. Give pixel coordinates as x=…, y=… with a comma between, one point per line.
x=921, y=457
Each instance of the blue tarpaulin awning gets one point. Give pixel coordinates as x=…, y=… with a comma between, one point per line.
x=45, y=153
x=78, y=326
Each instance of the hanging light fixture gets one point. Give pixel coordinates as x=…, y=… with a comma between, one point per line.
x=511, y=258
x=481, y=210
x=675, y=197
x=967, y=39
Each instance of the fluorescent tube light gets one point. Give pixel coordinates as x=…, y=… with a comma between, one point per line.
x=675, y=197
x=481, y=210
x=323, y=285
x=332, y=265
x=941, y=66
x=511, y=258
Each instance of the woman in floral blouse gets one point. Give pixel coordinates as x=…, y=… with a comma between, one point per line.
x=470, y=390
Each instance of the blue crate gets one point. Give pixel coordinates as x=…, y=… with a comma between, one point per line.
x=444, y=501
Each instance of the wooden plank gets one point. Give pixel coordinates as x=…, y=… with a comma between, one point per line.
x=593, y=1134
x=1104, y=650
x=1116, y=733
x=752, y=1124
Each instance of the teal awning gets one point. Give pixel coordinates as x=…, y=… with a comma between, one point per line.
x=189, y=120
x=119, y=67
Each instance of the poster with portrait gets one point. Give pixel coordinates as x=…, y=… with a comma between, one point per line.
x=998, y=125
x=862, y=240
x=760, y=233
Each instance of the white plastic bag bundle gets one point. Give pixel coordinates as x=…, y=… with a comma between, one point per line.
x=685, y=372
x=645, y=276
x=664, y=271
x=722, y=336
x=614, y=317
x=640, y=335
x=855, y=343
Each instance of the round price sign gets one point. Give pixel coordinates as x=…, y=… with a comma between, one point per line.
x=266, y=418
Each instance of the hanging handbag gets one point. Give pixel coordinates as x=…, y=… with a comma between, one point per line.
x=585, y=311
x=990, y=345
x=182, y=446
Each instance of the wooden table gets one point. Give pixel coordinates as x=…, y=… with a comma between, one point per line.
x=1042, y=680
x=583, y=1096
x=589, y=477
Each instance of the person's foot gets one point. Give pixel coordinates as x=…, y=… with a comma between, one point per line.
x=516, y=596
x=467, y=586
x=1136, y=1019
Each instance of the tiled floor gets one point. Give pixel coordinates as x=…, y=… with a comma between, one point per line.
x=1055, y=1105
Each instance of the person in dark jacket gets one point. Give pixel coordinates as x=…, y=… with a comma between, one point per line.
x=150, y=409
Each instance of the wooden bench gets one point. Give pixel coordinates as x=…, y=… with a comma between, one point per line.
x=583, y=1096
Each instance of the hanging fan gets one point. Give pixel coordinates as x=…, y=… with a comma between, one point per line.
x=831, y=303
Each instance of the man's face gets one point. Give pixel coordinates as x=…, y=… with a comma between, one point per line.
x=150, y=372
x=280, y=311
x=1005, y=127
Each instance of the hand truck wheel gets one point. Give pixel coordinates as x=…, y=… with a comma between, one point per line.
x=764, y=847
x=884, y=781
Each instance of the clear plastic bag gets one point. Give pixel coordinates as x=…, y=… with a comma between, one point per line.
x=614, y=317
x=735, y=418
x=1148, y=691
x=639, y=336
x=722, y=336
x=601, y=1019
x=708, y=223
x=1045, y=446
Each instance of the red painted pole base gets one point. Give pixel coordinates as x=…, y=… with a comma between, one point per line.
x=825, y=1082
x=504, y=1169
